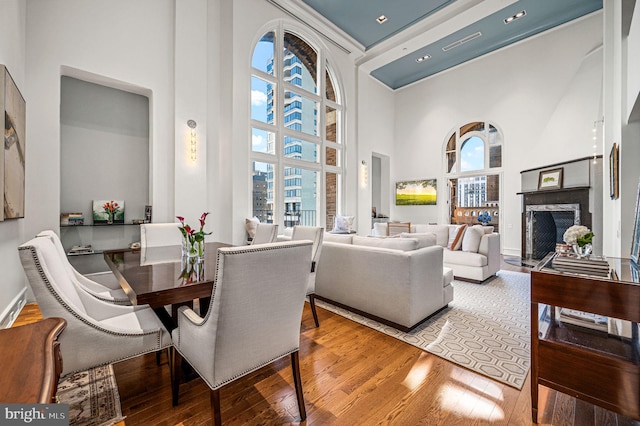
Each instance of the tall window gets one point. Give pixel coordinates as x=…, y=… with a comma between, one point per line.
x=296, y=142
x=473, y=162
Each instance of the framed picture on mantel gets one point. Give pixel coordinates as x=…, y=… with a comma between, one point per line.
x=550, y=179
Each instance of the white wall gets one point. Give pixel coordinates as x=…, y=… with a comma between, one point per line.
x=543, y=93
x=633, y=62
x=12, y=47
x=376, y=110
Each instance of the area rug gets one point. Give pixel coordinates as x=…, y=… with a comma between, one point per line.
x=485, y=329
x=92, y=396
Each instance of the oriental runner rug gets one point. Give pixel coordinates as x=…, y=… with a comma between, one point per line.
x=92, y=396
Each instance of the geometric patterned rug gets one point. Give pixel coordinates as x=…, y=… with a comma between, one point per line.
x=485, y=328
x=92, y=396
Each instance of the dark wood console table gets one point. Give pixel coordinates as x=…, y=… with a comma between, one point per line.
x=31, y=362
x=595, y=366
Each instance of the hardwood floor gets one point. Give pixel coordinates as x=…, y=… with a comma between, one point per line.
x=351, y=375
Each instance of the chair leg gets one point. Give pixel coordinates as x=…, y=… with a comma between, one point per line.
x=312, y=303
x=215, y=407
x=295, y=369
x=176, y=374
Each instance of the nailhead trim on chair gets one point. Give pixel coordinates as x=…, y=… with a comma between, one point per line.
x=158, y=333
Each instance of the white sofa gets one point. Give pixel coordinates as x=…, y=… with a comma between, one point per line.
x=477, y=257
x=400, y=286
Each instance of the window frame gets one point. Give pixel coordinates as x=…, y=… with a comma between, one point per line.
x=280, y=161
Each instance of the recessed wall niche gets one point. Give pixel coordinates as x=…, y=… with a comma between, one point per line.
x=104, y=154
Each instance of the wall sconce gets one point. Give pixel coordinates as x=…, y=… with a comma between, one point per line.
x=364, y=174
x=192, y=141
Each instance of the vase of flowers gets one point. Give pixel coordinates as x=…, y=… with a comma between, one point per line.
x=580, y=239
x=192, y=240
x=484, y=218
x=111, y=208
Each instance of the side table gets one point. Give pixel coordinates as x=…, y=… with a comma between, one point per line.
x=31, y=362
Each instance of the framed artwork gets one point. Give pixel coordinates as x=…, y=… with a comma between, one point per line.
x=550, y=179
x=13, y=112
x=108, y=211
x=635, y=238
x=147, y=214
x=614, y=169
x=417, y=192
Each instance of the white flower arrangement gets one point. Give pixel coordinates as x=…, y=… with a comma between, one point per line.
x=578, y=234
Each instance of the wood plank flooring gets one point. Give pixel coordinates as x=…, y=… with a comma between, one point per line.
x=351, y=375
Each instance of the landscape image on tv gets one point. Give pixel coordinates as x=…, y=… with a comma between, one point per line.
x=417, y=192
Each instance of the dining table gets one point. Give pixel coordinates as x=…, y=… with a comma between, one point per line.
x=161, y=276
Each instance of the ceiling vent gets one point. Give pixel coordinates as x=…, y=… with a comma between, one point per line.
x=461, y=41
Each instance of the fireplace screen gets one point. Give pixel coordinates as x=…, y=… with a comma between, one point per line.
x=546, y=225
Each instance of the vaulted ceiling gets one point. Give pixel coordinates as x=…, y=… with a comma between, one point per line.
x=420, y=38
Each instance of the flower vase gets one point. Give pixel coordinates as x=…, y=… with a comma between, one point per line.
x=110, y=219
x=583, y=251
x=194, y=250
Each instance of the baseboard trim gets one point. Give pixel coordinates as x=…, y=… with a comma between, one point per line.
x=12, y=311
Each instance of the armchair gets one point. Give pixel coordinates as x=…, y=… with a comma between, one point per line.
x=97, y=332
x=102, y=285
x=315, y=234
x=253, y=318
x=265, y=233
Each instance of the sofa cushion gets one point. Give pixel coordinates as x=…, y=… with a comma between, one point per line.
x=338, y=238
x=343, y=223
x=441, y=231
x=466, y=258
x=426, y=239
x=456, y=233
x=471, y=238
x=404, y=244
x=487, y=229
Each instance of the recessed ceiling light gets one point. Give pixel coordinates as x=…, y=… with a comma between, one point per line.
x=423, y=58
x=514, y=17
x=382, y=19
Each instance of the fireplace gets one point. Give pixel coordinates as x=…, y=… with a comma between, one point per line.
x=546, y=215
x=545, y=226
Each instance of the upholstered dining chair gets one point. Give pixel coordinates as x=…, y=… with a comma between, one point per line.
x=265, y=233
x=160, y=234
x=253, y=318
x=315, y=234
x=97, y=332
x=102, y=285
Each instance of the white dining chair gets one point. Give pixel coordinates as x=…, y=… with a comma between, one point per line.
x=315, y=234
x=102, y=285
x=160, y=234
x=265, y=233
x=253, y=318
x=97, y=332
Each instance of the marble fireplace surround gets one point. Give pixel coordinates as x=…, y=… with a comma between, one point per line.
x=574, y=200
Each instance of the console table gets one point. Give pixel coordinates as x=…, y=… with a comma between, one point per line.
x=595, y=366
x=31, y=362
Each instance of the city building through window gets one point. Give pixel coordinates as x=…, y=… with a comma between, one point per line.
x=296, y=141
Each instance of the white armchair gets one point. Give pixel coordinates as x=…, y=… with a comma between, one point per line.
x=160, y=234
x=253, y=318
x=97, y=332
x=265, y=233
x=315, y=234
x=102, y=285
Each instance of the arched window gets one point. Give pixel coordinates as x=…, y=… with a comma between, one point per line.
x=297, y=147
x=473, y=164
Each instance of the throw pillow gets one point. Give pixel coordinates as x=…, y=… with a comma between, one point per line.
x=455, y=236
x=471, y=238
x=426, y=239
x=343, y=223
x=441, y=231
x=250, y=225
x=404, y=244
